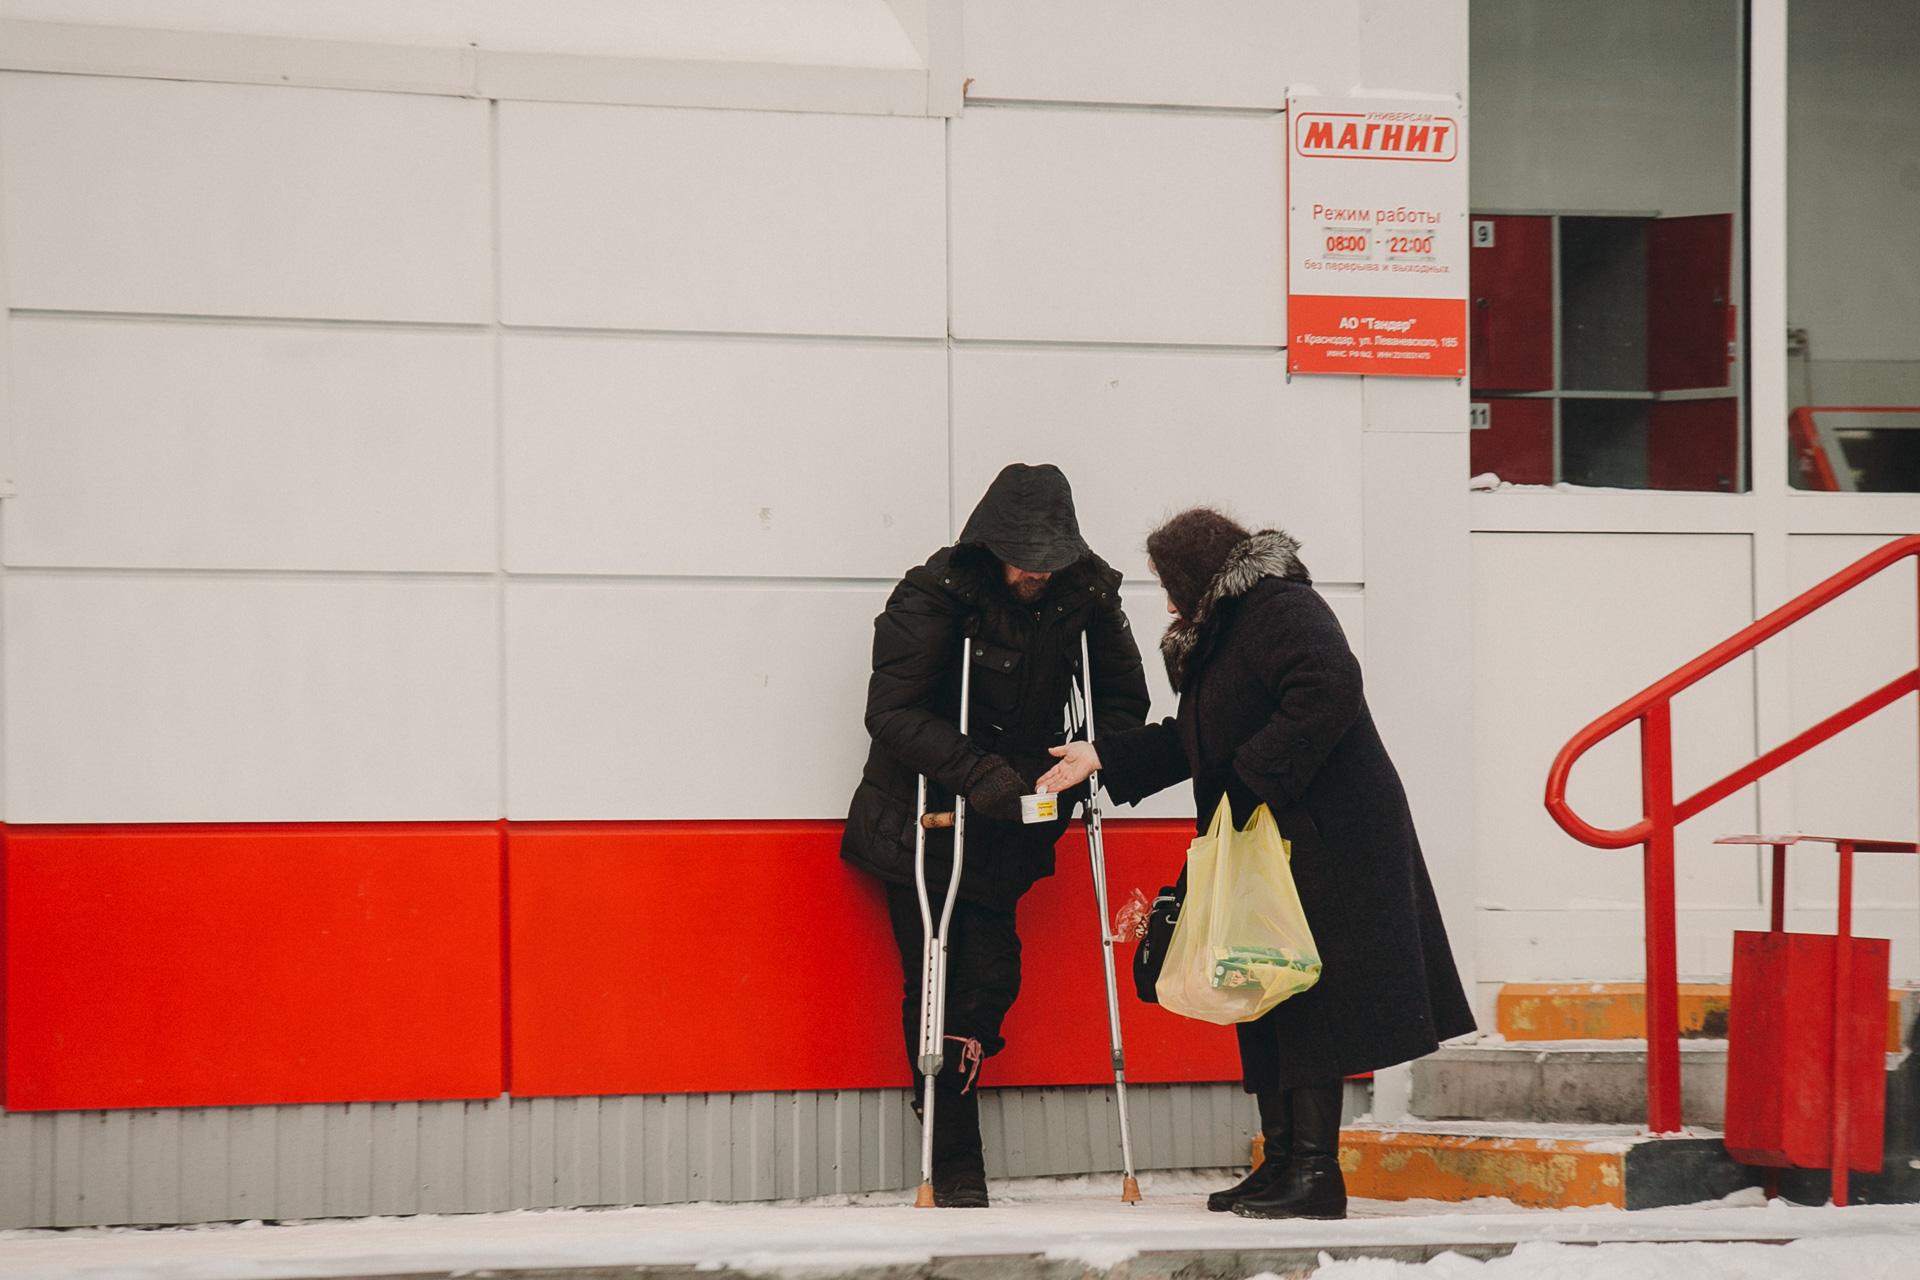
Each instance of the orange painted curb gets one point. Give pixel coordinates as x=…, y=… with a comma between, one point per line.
x=1541, y=1173
x=1531, y=1011
x=1536, y=1172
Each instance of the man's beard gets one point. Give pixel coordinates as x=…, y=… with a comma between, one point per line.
x=1028, y=590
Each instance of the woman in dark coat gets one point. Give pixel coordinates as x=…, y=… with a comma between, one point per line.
x=1271, y=712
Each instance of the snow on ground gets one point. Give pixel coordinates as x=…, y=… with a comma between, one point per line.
x=1865, y=1257
x=1079, y=1219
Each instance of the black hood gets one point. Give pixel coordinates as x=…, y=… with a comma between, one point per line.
x=1026, y=520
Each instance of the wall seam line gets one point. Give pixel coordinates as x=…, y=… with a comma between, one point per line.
x=1126, y=108
x=498, y=326
x=946, y=231
x=242, y=320
x=494, y=324
x=500, y=576
x=502, y=720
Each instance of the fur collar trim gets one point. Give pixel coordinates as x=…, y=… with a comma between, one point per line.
x=1267, y=554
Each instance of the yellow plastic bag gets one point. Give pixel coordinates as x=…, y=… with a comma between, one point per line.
x=1242, y=944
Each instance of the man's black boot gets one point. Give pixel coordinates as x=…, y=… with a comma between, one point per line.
x=1276, y=1134
x=1312, y=1185
x=959, y=1166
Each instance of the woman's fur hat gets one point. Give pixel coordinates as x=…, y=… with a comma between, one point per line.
x=1204, y=559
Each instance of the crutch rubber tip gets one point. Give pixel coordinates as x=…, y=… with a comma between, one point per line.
x=924, y=1200
x=1130, y=1191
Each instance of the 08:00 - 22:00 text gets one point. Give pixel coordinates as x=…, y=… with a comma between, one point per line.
x=1395, y=244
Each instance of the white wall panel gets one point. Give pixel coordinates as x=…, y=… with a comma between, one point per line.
x=1142, y=434
x=179, y=445
x=1567, y=626
x=651, y=701
x=1229, y=53
x=838, y=33
x=1423, y=406
x=1118, y=226
x=1866, y=781
x=1146, y=607
x=134, y=699
x=1420, y=646
x=145, y=195
x=723, y=456
x=696, y=701
x=1236, y=54
x=1395, y=46
x=1605, y=945
x=730, y=221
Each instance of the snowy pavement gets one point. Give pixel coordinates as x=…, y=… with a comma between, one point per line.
x=1866, y=1257
x=1078, y=1222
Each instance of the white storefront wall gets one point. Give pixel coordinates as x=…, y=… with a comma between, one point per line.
x=310, y=379
x=431, y=412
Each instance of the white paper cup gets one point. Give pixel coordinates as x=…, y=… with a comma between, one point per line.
x=1039, y=807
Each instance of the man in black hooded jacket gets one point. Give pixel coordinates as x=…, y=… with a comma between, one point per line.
x=1021, y=586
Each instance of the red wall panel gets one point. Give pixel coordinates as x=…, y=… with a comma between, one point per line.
x=220, y=966
x=725, y=957
x=1057, y=1032
x=696, y=957
x=204, y=966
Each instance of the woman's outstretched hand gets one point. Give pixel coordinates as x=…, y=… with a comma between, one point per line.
x=1078, y=761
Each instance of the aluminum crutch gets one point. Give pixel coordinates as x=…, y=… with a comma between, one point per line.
x=933, y=957
x=1097, y=859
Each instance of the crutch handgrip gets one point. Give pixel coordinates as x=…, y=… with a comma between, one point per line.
x=935, y=821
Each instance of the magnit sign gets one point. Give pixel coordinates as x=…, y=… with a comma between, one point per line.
x=1376, y=239
x=1377, y=135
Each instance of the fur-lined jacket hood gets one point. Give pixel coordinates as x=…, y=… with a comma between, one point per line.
x=1269, y=553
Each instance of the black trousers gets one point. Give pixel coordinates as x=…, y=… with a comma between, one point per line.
x=983, y=969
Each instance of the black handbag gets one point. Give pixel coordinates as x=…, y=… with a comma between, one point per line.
x=1151, y=954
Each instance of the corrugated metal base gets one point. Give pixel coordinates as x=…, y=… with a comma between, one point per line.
x=91, y=1168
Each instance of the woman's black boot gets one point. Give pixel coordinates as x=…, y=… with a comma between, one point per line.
x=1312, y=1185
x=1276, y=1134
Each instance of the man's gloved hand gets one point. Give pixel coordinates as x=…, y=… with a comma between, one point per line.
x=994, y=789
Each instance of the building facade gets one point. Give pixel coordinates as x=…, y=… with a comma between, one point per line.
x=456, y=453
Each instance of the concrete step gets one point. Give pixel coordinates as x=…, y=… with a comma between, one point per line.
x=1564, y=1082
x=1543, y=1124
x=1618, y=1011
x=1538, y=1166
x=1549, y=1118
x=1603, y=1082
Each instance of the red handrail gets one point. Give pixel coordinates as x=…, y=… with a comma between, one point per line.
x=1652, y=708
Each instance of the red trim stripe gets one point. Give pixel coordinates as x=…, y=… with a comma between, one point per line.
x=235, y=964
